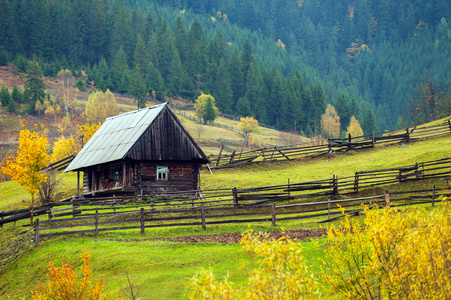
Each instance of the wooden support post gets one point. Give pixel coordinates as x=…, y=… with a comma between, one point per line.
x=124, y=175
x=78, y=183
x=433, y=194
x=202, y=210
x=387, y=199
x=356, y=182
x=328, y=208
x=141, y=195
x=449, y=189
x=349, y=141
x=36, y=233
x=449, y=124
x=408, y=135
x=273, y=214
x=374, y=140
x=97, y=222
x=114, y=203
x=142, y=220
x=232, y=156
x=289, y=193
x=235, y=197
x=335, y=184
x=219, y=156
x=329, y=145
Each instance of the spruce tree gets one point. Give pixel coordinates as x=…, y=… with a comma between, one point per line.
x=34, y=86
x=369, y=123
x=4, y=96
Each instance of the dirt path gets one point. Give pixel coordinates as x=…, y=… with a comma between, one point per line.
x=229, y=238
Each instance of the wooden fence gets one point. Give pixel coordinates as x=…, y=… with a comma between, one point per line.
x=19, y=245
x=239, y=197
x=102, y=218
x=319, y=148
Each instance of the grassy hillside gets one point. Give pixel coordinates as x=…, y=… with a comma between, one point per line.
x=162, y=269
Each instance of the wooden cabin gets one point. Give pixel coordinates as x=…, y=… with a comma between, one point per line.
x=145, y=150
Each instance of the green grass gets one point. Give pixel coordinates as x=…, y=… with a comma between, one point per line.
x=341, y=165
x=163, y=269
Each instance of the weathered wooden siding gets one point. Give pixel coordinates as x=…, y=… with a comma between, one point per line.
x=165, y=140
x=182, y=176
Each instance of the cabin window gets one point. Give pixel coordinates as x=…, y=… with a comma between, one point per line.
x=162, y=173
x=117, y=174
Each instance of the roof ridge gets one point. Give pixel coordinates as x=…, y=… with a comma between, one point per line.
x=136, y=111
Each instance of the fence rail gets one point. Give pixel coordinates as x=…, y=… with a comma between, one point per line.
x=239, y=197
x=17, y=246
x=319, y=148
x=141, y=218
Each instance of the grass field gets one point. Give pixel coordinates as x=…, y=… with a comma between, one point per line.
x=162, y=269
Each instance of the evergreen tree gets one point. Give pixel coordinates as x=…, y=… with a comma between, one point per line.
x=17, y=95
x=178, y=81
x=210, y=113
x=99, y=33
x=34, y=86
x=236, y=77
x=223, y=88
x=4, y=96
x=141, y=58
x=256, y=93
x=155, y=82
x=247, y=57
x=197, y=61
x=343, y=111
x=120, y=70
x=243, y=107
x=8, y=35
x=369, y=123
x=139, y=89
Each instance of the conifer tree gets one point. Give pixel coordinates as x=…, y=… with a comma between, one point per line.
x=34, y=86
x=369, y=123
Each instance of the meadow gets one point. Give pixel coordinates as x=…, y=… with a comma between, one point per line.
x=161, y=269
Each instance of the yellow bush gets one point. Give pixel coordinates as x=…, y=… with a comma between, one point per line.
x=277, y=271
x=64, y=284
x=399, y=255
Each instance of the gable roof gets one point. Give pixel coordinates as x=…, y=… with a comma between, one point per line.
x=120, y=136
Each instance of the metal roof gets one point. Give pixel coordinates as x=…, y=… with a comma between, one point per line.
x=115, y=137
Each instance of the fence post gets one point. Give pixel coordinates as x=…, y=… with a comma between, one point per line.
x=328, y=208
x=235, y=197
x=289, y=193
x=349, y=141
x=335, y=183
x=449, y=124
x=356, y=182
x=374, y=140
x=387, y=199
x=273, y=214
x=408, y=135
x=202, y=213
x=142, y=220
x=433, y=194
x=36, y=232
x=97, y=222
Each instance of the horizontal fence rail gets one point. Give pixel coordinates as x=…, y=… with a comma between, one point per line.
x=94, y=220
x=238, y=197
x=319, y=148
x=16, y=247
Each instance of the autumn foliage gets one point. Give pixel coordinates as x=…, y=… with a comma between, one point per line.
x=354, y=128
x=277, y=270
x=393, y=255
x=64, y=283
x=330, y=122
x=25, y=167
x=101, y=106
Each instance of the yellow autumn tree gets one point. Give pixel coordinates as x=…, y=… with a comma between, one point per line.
x=65, y=284
x=330, y=122
x=87, y=130
x=101, y=106
x=31, y=156
x=248, y=125
x=64, y=147
x=354, y=128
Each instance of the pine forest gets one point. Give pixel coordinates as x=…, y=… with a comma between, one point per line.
x=281, y=62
